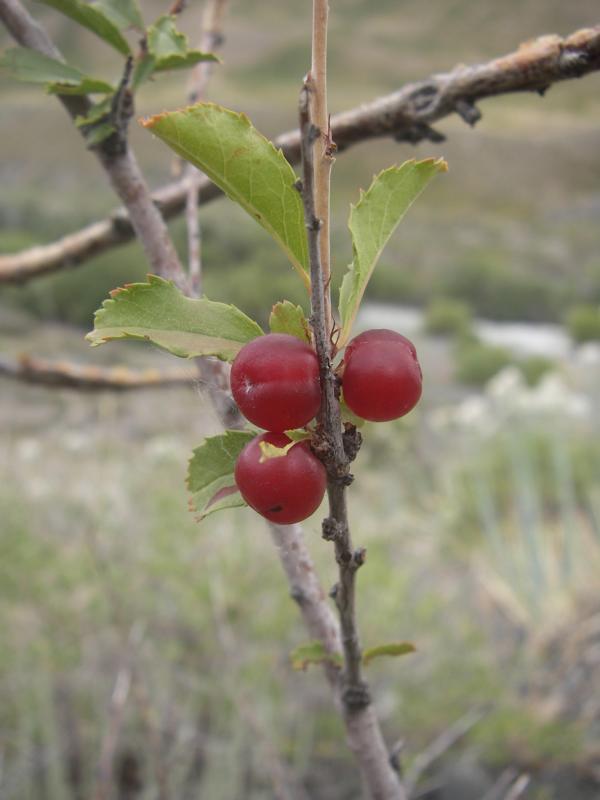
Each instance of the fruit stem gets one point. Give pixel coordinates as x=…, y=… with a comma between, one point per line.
x=324, y=146
x=330, y=445
x=362, y=727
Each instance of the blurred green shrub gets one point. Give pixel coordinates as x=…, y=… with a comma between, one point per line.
x=241, y=266
x=583, y=323
x=72, y=296
x=392, y=285
x=477, y=362
x=523, y=730
x=494, y=290
x=445, y=316
x=534, y=368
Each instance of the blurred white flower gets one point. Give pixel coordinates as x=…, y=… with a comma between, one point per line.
x=28, y=449
x=588, y=355
x=162, y=447
x=553, y=395
x=507, y=396
x=474, y=412
x=506, y=385
x=75, y=441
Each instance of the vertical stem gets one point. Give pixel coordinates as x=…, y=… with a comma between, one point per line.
x=324, y=146
x=336, y=449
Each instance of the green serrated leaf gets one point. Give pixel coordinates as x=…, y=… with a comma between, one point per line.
x=287, y=318
x=169, y=47
x=210, y=473
x=93, y=19
x=313, y=653
x=185, y=61
x=159, y=313
x=86, y=86
x=122, y=13
x=373, y=220
x=392, y=649
x=245, y=165
x=33, y=67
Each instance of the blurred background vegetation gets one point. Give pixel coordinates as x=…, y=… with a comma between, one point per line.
x=480, y=512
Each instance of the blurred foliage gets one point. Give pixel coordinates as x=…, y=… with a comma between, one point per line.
x=530, y=495
x=515, y=729
x=73, y=296
x=496, y=290
x=95, y=555
x=534, y=368
x=477, y=362
x=583, y=323
x=446, y=316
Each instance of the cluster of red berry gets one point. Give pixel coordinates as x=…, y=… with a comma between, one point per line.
x=275, y=382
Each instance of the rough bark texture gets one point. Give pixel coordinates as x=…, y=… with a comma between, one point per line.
x=407, y=115
x=68, y=375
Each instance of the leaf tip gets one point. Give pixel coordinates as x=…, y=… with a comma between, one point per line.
x=150, y=122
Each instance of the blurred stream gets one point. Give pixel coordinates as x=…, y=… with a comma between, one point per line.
x=523, y=338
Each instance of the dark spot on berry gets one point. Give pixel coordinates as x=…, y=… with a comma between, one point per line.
x=275, y=509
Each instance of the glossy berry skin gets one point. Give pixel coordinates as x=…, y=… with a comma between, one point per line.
x=381, y=377
x=285, y=489
x=275, y=382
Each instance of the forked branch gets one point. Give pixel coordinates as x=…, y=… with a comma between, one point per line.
x=407, y=115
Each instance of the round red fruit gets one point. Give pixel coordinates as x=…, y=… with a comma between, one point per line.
x=275, y=382
x=284, y=489
x=381, y=377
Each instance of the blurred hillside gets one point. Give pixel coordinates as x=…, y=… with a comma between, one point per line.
x=511, y=228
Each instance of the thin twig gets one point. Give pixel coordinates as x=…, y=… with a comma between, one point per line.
x=324, y=147
x=284, y=785
x=68, y=375
x=116, y=710
x=115, y=715
x=406, y=114
x=502, y=784
x=210, y=40
x=440, y=745
x=518, y=788
x=151, y=723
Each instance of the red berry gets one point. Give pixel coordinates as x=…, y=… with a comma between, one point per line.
x=381, y=377
x=275, y=382
x=284, y=489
